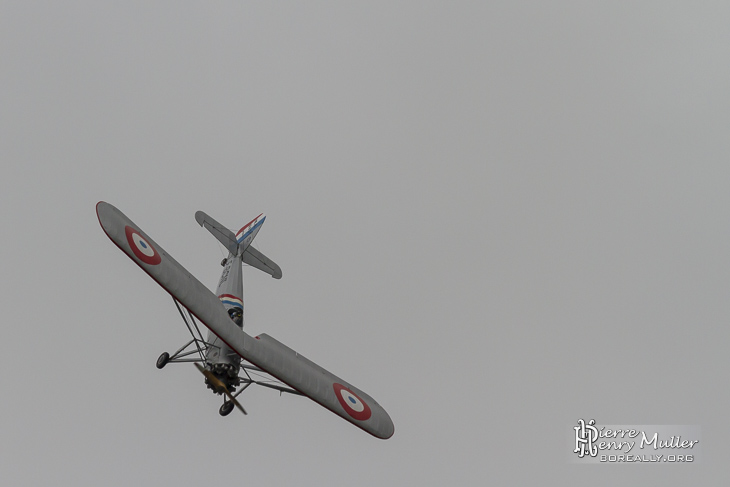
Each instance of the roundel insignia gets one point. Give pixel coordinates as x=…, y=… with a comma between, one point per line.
x=351, y=402
x=141, y=247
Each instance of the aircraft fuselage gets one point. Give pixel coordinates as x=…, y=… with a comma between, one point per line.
x=220, y=359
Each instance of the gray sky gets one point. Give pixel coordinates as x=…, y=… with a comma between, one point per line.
x=495, y=218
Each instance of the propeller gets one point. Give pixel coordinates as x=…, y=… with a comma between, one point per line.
x=219, y=386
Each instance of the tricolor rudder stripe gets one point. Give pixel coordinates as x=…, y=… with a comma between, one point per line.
x=250, y=228
x=231, y=300
x=142, y=249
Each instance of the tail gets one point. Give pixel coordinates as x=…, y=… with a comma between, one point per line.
x=245, y=235
x=240, y=243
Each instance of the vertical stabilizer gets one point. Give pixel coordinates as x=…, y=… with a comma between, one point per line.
x=245, y=235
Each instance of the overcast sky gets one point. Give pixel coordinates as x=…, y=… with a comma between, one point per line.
x=495, y=218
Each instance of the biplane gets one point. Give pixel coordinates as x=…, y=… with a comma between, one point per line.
x=230, y=359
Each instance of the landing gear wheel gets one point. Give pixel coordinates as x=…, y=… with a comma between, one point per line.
x=226, y=408
x=163, y=359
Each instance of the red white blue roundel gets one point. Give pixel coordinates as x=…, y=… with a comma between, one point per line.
x=354, y=406
x=141, y=247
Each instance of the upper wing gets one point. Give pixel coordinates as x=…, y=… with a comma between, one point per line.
x=275, y=358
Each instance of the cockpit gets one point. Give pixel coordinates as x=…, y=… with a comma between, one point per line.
x=236, y=315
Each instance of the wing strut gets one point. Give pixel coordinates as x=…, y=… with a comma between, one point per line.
x=182, y=354
x=196, y=339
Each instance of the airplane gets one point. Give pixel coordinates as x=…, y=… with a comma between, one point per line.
x=230, y=358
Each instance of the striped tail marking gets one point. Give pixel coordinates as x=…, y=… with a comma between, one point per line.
x=250, y=228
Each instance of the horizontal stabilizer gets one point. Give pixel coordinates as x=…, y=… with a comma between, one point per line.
x=256, y=259
x=224, y=236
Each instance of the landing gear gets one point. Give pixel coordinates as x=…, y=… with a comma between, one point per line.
x=163, y=359
x=197, y=346
x=226, y=408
